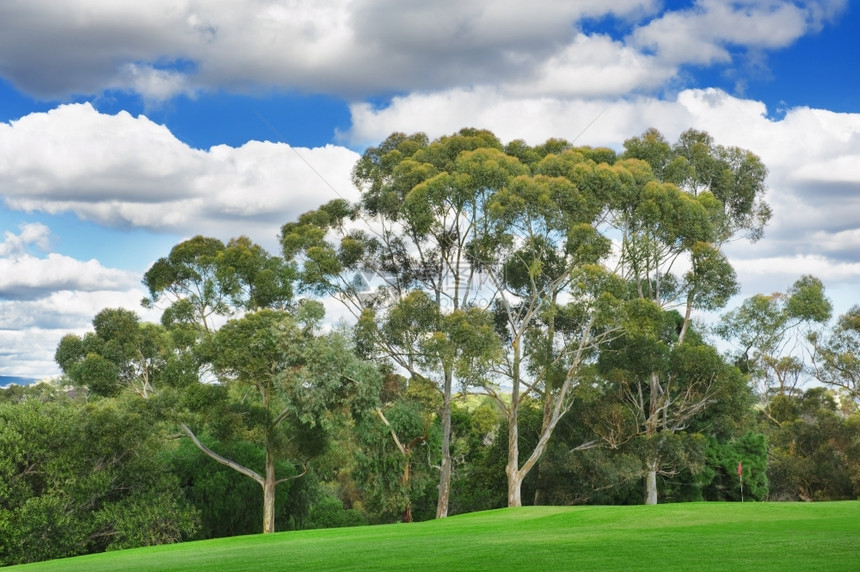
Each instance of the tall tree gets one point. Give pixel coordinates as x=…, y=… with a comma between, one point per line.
x=279, y=384
x=769, y=333
x=554, y=300
x=272, y=377
x=836, y=357
x=662, y=386
x=421, y=206
x=682, y=204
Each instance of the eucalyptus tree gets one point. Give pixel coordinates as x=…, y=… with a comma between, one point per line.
x=770, y=334
x=660, y=425
x=555, y=300
x=281, y=386
x=698, y=197
x=678, y=206
x=266, y=376
x=203, y=280
x=422, y=205
x=836, y=358
x=275, y=377
x=120, y=354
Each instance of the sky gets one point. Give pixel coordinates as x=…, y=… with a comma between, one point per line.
x=127, y=127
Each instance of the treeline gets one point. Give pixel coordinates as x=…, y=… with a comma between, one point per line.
x=522, y=333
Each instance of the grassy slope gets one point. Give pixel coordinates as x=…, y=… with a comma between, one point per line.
x=690, y=536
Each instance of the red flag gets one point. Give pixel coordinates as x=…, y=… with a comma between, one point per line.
x=740, y=469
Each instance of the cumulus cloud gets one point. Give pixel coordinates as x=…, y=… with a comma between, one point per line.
x=703, y=33
x=124, y=171
x=162, y=48
x=15, y=245
x=24, y=276
x=44, y=296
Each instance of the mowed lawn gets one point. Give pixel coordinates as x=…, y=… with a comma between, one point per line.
x=689, y=536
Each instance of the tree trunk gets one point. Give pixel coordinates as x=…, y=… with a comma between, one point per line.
x=512, y=469
x=269, y=495
x=407, y=477
x=651, y=482
x=515, y=485
x=539, y=493
x=445, y=472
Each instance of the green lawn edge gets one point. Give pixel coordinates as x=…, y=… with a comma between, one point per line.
x=685, y=536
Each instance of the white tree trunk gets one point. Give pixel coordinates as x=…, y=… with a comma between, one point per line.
x=445, y=472
x=512, y=469
x=651, y=483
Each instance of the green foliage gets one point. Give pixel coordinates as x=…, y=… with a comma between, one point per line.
x=814, y=449
x=696, y=164
x=229, y=504
x=397, y=450
x=203, y=278
x=77, y=479
x=329, y=512
x=720, y=481
x=124, y=355
x=767, y=330
x=837, y=355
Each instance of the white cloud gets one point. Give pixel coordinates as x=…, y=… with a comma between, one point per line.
x=124, y=171
x=162, y=48
x=27, y=276
x=15, y=245
x=601, y=122
x=44, y=298
x=24, y=276
x=704, y=33
x=594, y=66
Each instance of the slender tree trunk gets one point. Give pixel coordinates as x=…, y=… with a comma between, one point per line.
x=687, y=313
x=407, y=510
x=269, y=495
x=651, y=482
x=445, y=472
x=515, y=482
x=512, y=469
x=655, y=400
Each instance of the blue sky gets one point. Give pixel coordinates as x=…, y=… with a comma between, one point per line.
x=126, y=127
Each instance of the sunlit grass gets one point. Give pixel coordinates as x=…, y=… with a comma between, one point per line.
x=689, y=536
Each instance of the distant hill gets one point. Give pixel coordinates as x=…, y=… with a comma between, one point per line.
x=9, y=380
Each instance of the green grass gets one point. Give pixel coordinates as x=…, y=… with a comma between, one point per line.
x=690, y=536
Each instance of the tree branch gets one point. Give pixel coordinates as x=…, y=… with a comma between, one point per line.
x=223, y=460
